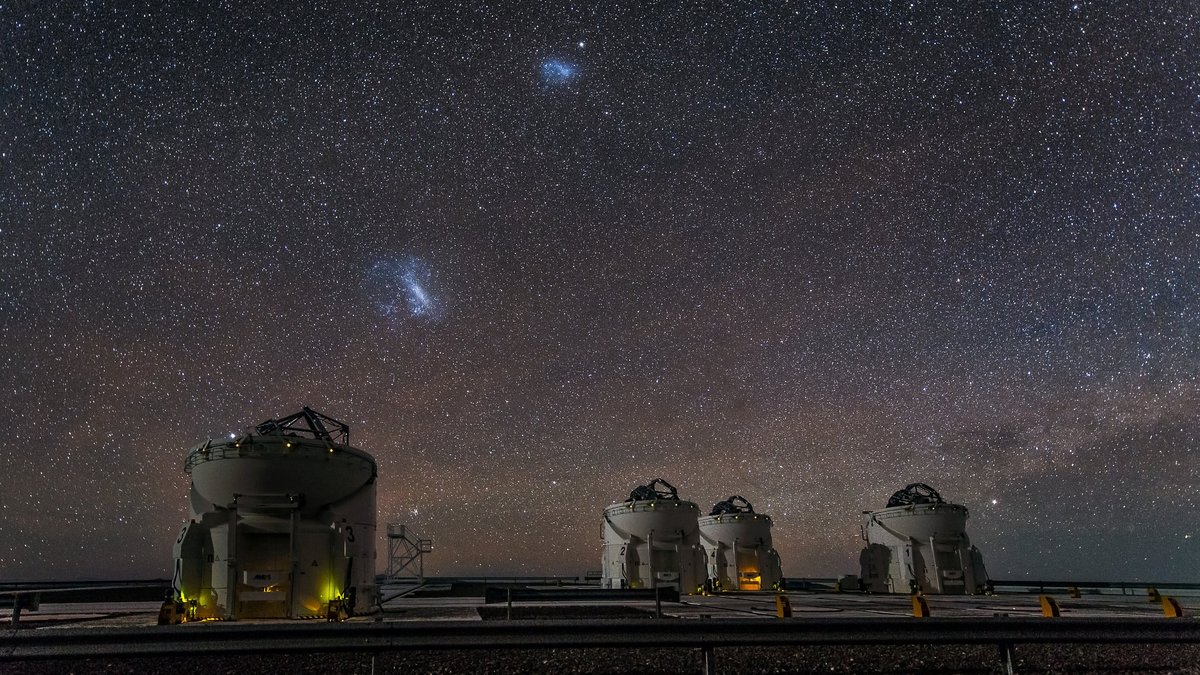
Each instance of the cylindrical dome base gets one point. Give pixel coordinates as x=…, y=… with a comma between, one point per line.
x=282, y=526
x=739, y=551
x=653, y=543
x=920, y=547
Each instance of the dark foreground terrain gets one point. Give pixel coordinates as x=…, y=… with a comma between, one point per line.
x=909, y=659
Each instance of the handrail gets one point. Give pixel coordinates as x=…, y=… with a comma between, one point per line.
x=268, y=446
x=1018, y=583
x=625, y=634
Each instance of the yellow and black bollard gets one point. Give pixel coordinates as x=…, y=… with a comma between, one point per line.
x=783, y=606
x=920, y=606
x=1050, y=606
x=1171, y=608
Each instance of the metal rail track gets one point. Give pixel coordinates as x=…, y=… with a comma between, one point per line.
x=308, y=637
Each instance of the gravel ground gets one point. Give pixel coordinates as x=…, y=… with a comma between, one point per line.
x=908, y=659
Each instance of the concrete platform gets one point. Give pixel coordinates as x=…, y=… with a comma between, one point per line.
x=740, y=606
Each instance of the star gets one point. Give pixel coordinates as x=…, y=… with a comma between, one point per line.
x=946, y=242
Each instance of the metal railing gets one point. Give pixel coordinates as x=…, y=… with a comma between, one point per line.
x=704, y=635
x=1096, y=587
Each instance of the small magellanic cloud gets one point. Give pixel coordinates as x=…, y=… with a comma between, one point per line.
x=558, y=71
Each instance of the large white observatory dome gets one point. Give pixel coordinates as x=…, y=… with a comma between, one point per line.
x=282, y=524
x=919, y=543
x=738, y=545
x=652, y=540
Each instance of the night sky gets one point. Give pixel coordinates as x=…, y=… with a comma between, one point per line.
x=536, y=256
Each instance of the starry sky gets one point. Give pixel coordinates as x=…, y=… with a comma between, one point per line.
x=536, y=255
